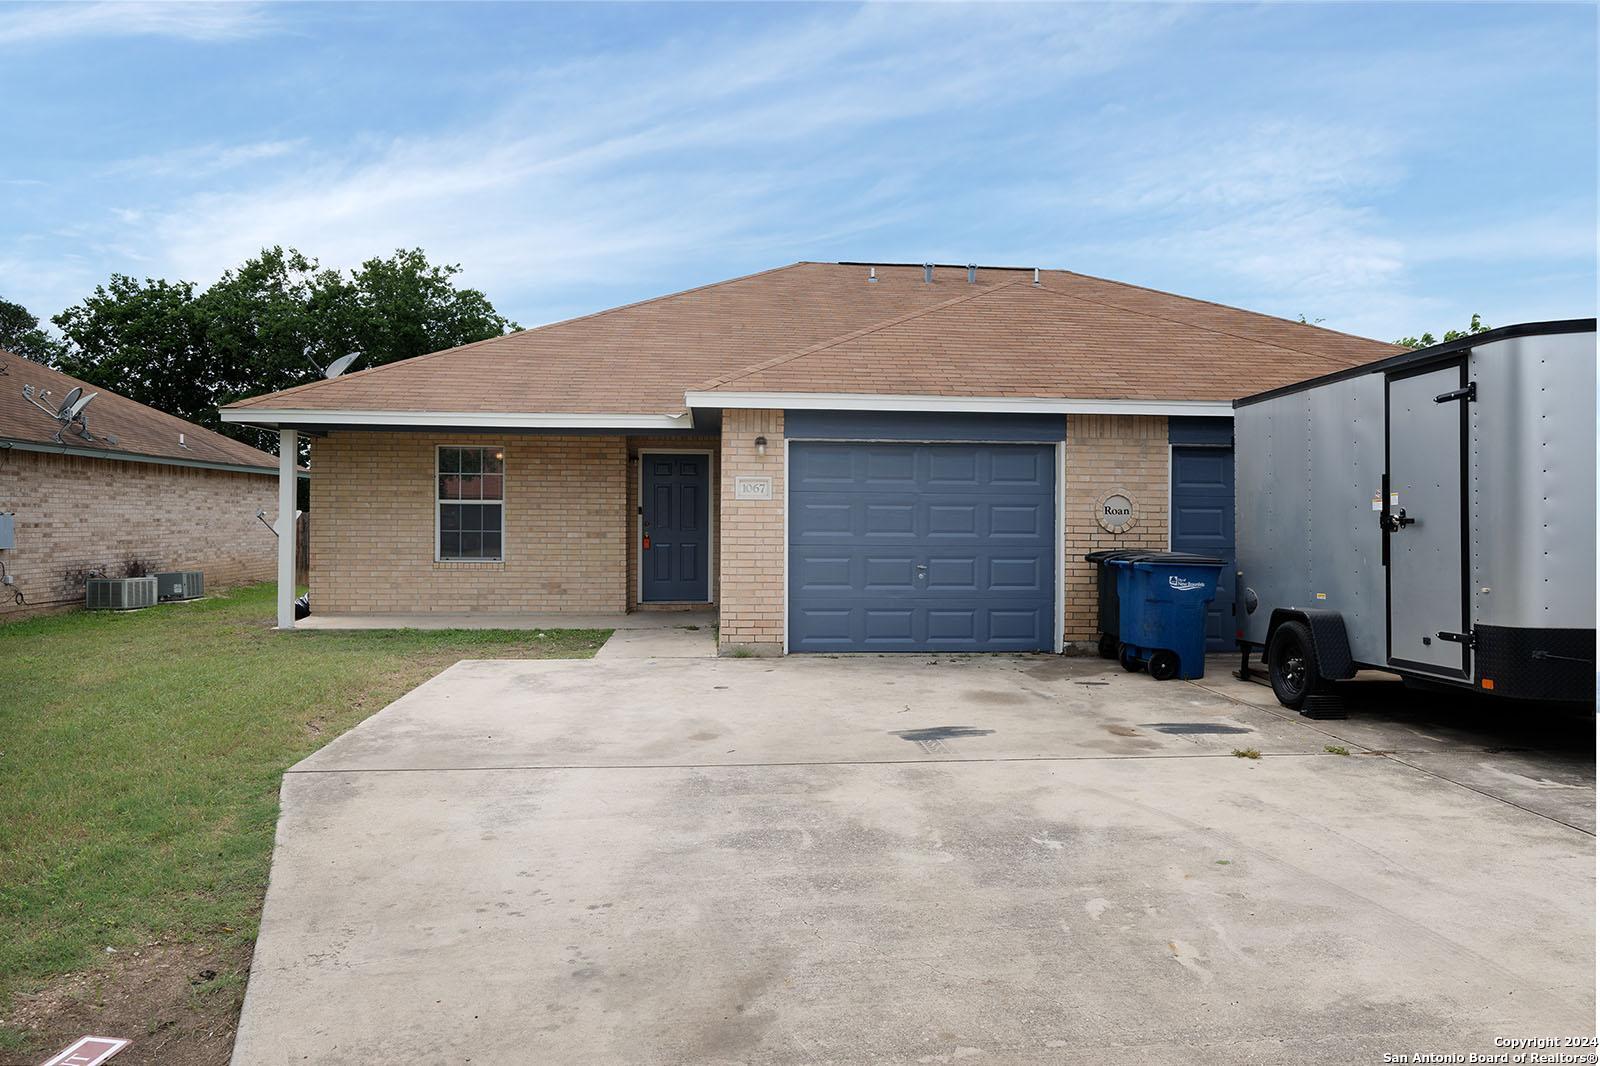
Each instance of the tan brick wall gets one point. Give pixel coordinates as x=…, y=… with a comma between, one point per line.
x=76, y=513
x=666, y=444
x=752, y=543
x=1107, y=453
x=373, y=526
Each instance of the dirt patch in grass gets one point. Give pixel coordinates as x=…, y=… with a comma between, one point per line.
x=178, y=1003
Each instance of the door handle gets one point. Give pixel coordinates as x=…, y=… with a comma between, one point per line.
x=1398, y=521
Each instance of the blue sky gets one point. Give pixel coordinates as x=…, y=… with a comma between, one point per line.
x=1385, y=168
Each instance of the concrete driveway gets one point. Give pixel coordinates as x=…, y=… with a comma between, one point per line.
x=1008, y=860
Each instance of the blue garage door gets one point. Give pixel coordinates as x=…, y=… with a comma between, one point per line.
x=1202, y=522
x=921, y=547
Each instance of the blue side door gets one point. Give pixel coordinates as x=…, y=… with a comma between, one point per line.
x=674, y=509
x=1202, y=523
x=921, y=547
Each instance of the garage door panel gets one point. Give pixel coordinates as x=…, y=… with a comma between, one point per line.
x=889, y=468
x=1020, y=520
x=964, y=560
x=951, y=468
x=885, y=573
x=1016, y=575
x=1018, y=468
x=888, y=519
x=820, y=573
x=889, y=625
x=952, y=574
x=952, y=520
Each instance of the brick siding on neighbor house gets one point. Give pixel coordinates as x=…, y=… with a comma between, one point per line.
x=75, y=513
x=1104, y=453
x=752, y=545
x=1109, y=453
x=637, y=445
x=373, y=529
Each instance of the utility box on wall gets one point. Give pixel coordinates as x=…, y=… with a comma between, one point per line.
x=8, y=530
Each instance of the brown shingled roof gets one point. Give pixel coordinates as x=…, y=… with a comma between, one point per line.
x=139, y=430
x=823, y=327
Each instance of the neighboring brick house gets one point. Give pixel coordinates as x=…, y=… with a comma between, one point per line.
x=124, y=488
x=839, y=457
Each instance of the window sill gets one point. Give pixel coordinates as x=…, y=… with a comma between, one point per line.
x=469, y=564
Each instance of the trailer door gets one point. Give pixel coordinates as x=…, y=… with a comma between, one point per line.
x=1423, y=521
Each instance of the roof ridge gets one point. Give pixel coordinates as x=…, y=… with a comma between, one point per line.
x=767, y=364
x=1195, y=325
x=1213, y=303
x=249, y=401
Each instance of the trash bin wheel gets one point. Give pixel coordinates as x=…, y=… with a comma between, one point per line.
x=1128, y=656
x=1108, y=646
x=1164, y=665
x=1292, y=665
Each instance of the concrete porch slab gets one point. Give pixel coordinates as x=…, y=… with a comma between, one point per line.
x=705, y=618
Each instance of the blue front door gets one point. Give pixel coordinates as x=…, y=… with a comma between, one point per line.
x=1202, y=523
x=676, y=538
x=921, y=547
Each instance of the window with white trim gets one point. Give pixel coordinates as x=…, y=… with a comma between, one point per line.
x=470, y=495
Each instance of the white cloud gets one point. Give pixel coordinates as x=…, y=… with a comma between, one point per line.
x=614, y=166
x=23, y=24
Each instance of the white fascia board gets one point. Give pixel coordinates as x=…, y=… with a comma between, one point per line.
x=276, y=417
x=855, y=401
x=134, y=457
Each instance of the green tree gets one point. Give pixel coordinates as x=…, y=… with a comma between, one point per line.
x=1427, y=339
x=20, y=334
x=273, y=322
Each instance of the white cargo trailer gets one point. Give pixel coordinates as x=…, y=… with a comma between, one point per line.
x=1431, y=514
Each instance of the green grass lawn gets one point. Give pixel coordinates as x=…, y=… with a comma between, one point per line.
x=140, y=757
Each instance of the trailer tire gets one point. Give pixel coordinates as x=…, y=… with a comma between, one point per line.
x=1292, y=664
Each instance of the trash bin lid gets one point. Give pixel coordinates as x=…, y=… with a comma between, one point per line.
x=1107, y=554
x=1170, y=558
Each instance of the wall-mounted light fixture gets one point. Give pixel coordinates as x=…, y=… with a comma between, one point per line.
x=761, y=447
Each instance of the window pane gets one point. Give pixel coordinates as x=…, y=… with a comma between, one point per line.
x=492, y=486
x=491, y=516
x=449, y=486
x=449, y=545
x=471, y=486
x=471, y=545
x=491, y=545
x=471, y=460
x=450, y=516
x=449, y=460
x=493, y=461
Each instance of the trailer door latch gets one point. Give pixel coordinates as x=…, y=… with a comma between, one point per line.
x=1460, y=638
x=1469, y=393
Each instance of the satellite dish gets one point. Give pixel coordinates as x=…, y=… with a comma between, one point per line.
x=340, y=365
x=71, y=398
x=77, y=408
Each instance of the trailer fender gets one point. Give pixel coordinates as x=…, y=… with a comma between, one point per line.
x=1328, y=638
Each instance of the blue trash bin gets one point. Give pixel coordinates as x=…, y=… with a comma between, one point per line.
x=1162, y=617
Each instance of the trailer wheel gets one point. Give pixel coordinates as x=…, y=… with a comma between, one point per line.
x=1164, y=665
x=1108, y=646
x=1128, y=656
x=1292, y=665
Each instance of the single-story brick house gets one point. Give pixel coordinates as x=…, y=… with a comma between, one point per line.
x=120, y=487
x=838, y=456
